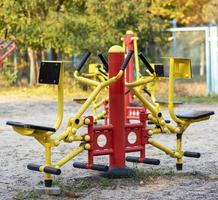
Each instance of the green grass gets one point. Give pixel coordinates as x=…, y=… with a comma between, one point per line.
x=142, y=175
x=81, y=186
x=59, y=183
x=27, y=195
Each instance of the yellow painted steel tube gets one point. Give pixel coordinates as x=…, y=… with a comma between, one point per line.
x=62, y=136
x=60, y=99
x=163, y=148
x=100, y=103
x=146, y=103
x=70, y=156
x=99, y=116
x=136, y=57
x=100, y=86
x=171, y=94
x=179, y=148
x=141, y=81
x=47, y=159
x=173, y=129
x=155, y=131
x=85, y=80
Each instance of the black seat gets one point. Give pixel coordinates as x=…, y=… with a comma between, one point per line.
x=166, y=102
x=31, y=126
x=194, y=114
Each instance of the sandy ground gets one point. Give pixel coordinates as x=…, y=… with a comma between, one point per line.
x=198, y=180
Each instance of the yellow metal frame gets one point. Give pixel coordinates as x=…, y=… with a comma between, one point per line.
x=47, y=139
x=179, y=68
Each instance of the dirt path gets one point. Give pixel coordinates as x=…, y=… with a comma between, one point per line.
x=198, y=180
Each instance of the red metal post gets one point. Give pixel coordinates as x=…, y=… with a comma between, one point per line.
x=117, y=107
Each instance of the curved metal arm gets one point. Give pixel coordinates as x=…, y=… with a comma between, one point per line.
x=141, y=81
x=85, y=80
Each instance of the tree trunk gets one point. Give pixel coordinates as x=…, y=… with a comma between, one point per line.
x=34, y=66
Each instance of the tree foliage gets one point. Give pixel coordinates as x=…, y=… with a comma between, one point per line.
x=71, y=26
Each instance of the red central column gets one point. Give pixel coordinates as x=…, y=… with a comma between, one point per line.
x=117, y=166
x=117, y=106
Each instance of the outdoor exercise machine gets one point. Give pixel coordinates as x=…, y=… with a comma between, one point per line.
x=117, y=132
x=52, y=73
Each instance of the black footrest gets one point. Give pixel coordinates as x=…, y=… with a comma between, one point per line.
x=97, y=167
x=192, y=154
x=50, y=170
x=150, y=161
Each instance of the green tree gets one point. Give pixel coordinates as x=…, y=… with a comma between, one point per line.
x=72, y=26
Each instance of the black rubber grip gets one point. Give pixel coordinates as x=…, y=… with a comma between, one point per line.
x=33, y=167
x=97, y=167
x=103, y=60
x=146, y=63
x=83, y=61
x=94, y=166
x=52, y=170
x=127, y=59
x=80, y=165
x=150, y=161
x=146, y=91
x=192, y=154
x=132, y=159
x=102, y=72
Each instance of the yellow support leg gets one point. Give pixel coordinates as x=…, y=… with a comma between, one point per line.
x=179, y=161
x=48, y=178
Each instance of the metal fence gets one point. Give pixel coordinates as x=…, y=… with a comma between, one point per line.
x=200, y=44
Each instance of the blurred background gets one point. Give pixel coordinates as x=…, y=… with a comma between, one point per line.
x=65, y=29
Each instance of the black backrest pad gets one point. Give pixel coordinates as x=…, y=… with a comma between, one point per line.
x=49, y=72
x=159, y=70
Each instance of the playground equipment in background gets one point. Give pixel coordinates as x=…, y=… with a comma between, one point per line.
x=7, y=47
x=117, y=133
x=130, y=42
